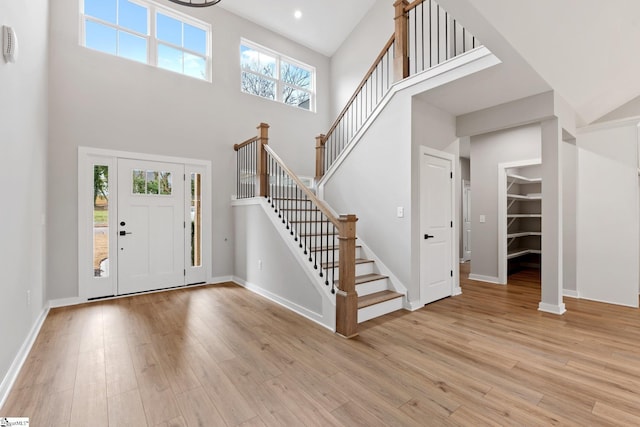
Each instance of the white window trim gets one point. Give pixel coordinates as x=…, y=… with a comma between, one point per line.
x=152, y=41
x=278, y=81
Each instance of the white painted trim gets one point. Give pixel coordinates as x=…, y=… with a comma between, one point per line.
x=302, y=311
x=551, y=308
x=413, y=305
x=18, y=362
x=476, y=56
x=67, y=302
x=502, y=213
x=457, y=291
x=451, y=158
x=487, y=279
x=571, y=293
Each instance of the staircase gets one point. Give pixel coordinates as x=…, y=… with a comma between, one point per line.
x=376, y=296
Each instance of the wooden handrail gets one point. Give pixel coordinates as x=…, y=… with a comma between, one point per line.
x=335, y=221
x=244, y=144
x=360, y=86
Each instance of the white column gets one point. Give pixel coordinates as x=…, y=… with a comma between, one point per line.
x=551, y=218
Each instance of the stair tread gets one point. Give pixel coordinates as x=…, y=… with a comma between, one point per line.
x=337, y=263
x=366, y=278
x=377, y=298
x=309, y=221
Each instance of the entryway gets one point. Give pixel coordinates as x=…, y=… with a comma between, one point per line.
x=142, y=223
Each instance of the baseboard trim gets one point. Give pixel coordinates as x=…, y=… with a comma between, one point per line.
x=413, y=305
x=570, y=293
x=487, y=279
x=11, y=376
x=456, y=291
x=68, y=302
x=298, y=309
x=551, y=308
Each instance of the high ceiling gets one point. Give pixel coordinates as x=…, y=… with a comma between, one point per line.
x=323, y=26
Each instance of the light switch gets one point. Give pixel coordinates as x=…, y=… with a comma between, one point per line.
x=483, y=219
x=400, y=212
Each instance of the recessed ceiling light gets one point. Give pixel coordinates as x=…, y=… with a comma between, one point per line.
x=297, y=14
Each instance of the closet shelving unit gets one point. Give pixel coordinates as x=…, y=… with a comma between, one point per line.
x=524, y=217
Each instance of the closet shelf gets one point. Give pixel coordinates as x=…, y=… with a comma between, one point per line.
x=517, y=179
x=524, y=234
x=526, y=197
x=524, y=216
x=522, y=252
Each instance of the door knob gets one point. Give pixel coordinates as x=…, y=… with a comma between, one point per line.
x=427, y=236
x=124, y=233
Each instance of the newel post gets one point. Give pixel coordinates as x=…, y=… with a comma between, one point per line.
x=346, y=296
x=320, y=143
x=263, y=139
x=401, y=57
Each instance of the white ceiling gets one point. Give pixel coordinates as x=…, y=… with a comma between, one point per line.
x=324, y=24
x=587, y=50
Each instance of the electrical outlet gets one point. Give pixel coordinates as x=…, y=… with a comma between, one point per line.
x=28, y=298
x=483, y=219
x=400, y=212
x=259, y=264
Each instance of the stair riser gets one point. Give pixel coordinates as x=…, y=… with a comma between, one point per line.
x=378, y=310
x=372, y=287
x=361, y=270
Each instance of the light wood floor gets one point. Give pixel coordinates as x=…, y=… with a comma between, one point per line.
x=220, y=355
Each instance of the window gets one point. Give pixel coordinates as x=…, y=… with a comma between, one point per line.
x=145, y=32
x=273, y=76
x=100, y=221
x=151, y=182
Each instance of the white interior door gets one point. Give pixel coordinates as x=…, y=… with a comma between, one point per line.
x=151, y=225
x=466, y=221
x=436, y=269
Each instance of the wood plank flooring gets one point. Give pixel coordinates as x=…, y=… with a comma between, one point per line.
x=222, y=356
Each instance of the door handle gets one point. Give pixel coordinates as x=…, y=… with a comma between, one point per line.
x=123, y=233
x=427, y=236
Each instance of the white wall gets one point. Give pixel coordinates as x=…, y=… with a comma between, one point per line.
x=102, y=101
x=373, y=181
x=569, y=206
x=354, y=57
x=607, y=231
x=264, y=263
x=23, y=120
x=487, y=151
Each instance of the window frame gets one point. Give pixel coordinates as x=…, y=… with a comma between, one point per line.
x=279, y=83
x=153, y=42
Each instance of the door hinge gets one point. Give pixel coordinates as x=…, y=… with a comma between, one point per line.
x=184, y=272
x=451, y=175
x=184, y=176
x=184, y=224
x=451, y=273
x=451, y=224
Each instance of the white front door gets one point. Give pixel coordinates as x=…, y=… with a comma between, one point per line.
x=436, y=269
x=150, y=225
x=466, y=221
